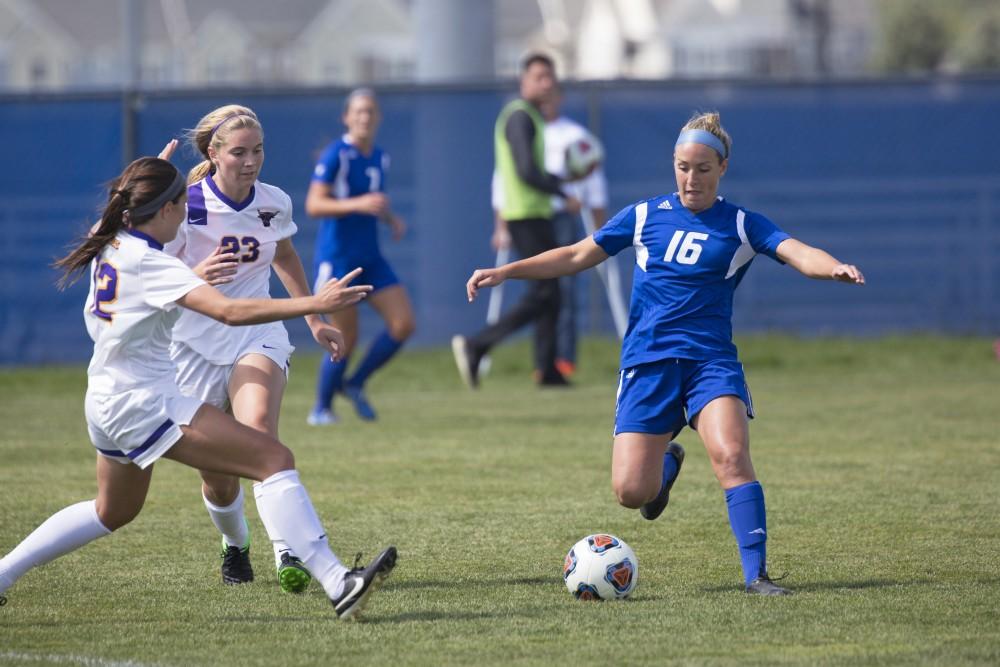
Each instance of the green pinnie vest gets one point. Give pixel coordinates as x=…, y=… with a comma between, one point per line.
x=520, y=200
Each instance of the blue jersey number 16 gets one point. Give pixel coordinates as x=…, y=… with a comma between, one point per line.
x=690, y=249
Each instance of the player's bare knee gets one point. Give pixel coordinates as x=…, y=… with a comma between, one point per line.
x=220, y=490
x=731, y=464
x=259, y=420
x=631, y=495
x=401, y=329
x=277, y=458
x=114, y=518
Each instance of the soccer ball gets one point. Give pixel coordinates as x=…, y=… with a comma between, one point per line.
x=601, y=567
x=583, y=155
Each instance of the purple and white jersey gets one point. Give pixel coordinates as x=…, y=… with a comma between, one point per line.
x=251, y=229
x=688, y=266
x=131, y=310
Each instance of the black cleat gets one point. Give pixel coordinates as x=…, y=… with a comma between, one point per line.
x=655, y=507
x=236, y=565
x=360, y=581
x=763, y=585
x=552, y=378
x=3, y=600
x=466, y=360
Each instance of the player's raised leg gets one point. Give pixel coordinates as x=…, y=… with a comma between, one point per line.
x=637, y=467
x=723, y=427
x=645, y=463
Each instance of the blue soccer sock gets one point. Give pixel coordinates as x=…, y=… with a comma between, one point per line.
x=381, y=350
x=670, y=469
x=748, y=520
x=331, y=379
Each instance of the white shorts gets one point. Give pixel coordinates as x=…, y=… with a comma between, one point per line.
x=200, y=378
x=138, y=425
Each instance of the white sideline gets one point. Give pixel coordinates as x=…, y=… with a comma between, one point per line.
x=57, y=659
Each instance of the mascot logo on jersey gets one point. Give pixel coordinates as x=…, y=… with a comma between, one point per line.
x=266, y=216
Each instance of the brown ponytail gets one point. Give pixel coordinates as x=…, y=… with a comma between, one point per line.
x=139, y=184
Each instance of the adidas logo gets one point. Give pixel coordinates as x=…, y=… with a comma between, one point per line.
x=630, y=374
x=758, y=531
x=666, y=205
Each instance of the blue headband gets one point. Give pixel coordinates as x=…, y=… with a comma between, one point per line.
x=702, y=137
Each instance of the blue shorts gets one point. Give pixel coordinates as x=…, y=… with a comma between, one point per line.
x=375, y=271
x=655, y=397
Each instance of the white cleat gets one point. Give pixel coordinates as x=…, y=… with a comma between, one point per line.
x=321, y=418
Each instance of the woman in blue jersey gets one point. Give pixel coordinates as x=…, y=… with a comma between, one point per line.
x=679, y=365
x=348, y=194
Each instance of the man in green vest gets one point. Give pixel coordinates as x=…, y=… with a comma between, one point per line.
x=519, y=146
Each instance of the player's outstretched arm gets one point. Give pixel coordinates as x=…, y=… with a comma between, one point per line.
x=553, y=263
x=320, y=202
x=333, y=296
x=817, y=263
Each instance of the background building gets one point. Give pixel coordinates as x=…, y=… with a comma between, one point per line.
x=70, y=45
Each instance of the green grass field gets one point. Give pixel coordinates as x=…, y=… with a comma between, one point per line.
x=880, y=460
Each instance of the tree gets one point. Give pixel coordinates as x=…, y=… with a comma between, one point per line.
x=916, y=35
x=978, y=46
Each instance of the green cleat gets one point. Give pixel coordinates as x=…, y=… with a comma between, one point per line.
x=293, y=577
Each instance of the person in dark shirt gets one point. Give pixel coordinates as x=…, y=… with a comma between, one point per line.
x=519, y=146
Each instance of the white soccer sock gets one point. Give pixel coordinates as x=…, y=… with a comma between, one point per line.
x=289, y=517
x=279, y=548
x=230, y=520
x=67, y=530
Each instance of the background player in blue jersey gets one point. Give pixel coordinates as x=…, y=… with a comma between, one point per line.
x=679, y=364
x=348, y=194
